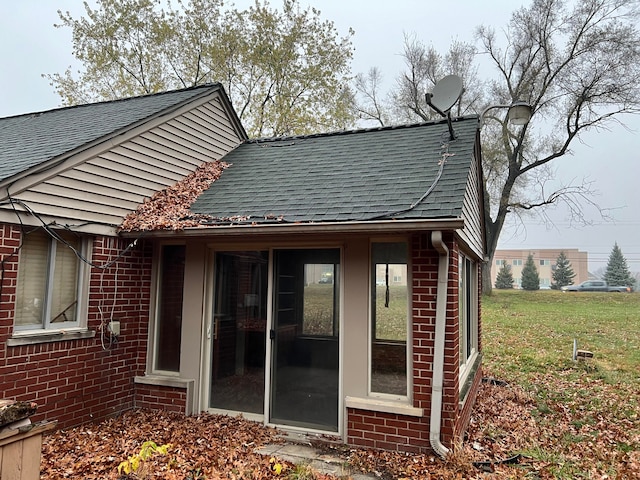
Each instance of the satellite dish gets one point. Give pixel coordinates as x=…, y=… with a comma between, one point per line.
x=445, y=94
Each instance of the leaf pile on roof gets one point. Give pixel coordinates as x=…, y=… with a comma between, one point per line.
x=168, y=209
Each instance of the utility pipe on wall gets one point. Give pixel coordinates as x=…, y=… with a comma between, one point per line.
x=437, y=381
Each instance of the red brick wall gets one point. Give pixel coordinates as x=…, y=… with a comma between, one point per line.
x=171, y=399
x=9, y=243
x=75, y=381
x=411, y=434
x=387, y=431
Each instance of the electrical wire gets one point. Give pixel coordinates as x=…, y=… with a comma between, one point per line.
x=54, y=234
x=47, y=227
x=441, y=164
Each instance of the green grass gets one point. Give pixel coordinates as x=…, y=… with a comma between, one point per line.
x=528, y=332
x=586, y=413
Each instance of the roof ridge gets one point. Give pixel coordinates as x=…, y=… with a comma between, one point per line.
x=117, y=100
x=358, y=130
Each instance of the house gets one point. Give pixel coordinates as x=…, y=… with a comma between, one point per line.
x=545, y=260
x=327, y=283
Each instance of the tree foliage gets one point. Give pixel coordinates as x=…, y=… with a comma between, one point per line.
x=284, y=70
x=575, y=62
x=504, y=278
x=618, y=272
x=530, y=277
x=563, y=274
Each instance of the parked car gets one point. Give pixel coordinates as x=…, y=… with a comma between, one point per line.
x=595, y=286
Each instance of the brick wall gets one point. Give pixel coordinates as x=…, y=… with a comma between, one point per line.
x=387, y=431
x=171, y=399
x=79, y=380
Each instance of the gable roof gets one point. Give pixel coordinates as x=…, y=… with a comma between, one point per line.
x=32, y=139
x=356, y=176
x=87, y=167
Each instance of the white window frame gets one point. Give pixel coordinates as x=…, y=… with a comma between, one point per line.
x=82, y=289
x=467, y=306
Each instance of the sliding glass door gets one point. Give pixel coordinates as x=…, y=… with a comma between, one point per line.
x=305, y=333
x=302, y=338
x=239, y=331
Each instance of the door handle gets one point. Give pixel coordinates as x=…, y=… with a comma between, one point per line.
x=272, y=334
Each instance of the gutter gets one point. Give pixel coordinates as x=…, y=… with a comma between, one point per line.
x=437, y=381
x=352, y=226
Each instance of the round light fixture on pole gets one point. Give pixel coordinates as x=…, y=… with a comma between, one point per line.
x=519, y=113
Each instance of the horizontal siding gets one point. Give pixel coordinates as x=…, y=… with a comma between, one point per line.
x=99, y=174
x=471, y=212
x=55, y=203
x=105, y=188
x=62, y=186
x=101, y=199
x=70, y=216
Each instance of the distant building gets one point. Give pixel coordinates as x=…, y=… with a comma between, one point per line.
x=545, y=260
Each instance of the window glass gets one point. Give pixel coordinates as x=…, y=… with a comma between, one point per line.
x=47, y=289
x=239, y=331
x=318, y=317
x=64, y=297
x=389, y=318
x=169, y=314
x=305, y=364
x=468, y=320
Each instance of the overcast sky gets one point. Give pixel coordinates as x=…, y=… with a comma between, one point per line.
x=30, y=46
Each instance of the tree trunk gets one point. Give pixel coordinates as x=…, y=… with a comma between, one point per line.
x=487, y=288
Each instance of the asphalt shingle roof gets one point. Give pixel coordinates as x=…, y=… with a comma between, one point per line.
x=347, y=176
x=31, y=139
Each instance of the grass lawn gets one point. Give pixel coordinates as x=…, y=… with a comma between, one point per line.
x=585, y=415
x=532, y=332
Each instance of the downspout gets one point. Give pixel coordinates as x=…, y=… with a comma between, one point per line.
x=438, y=347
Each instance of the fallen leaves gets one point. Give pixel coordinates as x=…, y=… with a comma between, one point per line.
x=560, y=427
x=168, y=209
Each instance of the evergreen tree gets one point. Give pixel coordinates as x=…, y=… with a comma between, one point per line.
x=530, y=277
x=617, y=269
x=504, y=279
x=563, y=273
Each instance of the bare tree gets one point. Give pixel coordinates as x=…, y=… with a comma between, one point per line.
x=424, y=67
x=575, y=62
x=577, y=65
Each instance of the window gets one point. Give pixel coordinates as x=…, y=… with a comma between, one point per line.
x=545, y=263
x=169, y=308
x=51, y=280
x=468, y=313
x=500, y=262
x=389, y=318
x=318, y=306
x=517, y=262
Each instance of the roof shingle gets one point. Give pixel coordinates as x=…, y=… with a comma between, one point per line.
x=31, y=139
x=347, y=176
